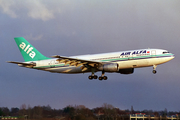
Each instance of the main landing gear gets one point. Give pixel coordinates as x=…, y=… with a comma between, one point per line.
x=93, y=77
x=102, y=77
x=154, y=69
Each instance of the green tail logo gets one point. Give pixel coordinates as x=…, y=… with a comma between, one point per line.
x=28, y=52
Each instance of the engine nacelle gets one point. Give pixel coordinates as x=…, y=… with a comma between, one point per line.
x=109, y=67
x=126, y=71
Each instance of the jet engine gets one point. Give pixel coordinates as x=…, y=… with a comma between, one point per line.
x=126, y=71
x=109, y=67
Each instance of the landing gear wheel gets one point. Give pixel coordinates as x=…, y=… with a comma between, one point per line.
x=100, y=78
x=95, y=76
x=90, y=77
x=105, y=77
x=154, y=71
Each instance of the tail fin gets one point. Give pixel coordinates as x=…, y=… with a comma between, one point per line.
x=28, y=52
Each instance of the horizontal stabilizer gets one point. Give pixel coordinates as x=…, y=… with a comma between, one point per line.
x=22, y=63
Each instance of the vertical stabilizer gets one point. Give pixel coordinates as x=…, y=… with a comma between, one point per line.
x=28, y=52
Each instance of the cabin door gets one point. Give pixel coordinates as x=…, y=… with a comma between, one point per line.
x=153, y=53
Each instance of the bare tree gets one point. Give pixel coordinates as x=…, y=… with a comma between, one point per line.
x=37, y=112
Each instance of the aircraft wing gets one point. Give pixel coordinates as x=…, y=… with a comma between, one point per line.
x=78, y=62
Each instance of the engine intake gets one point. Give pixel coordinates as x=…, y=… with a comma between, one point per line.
x=109, y=67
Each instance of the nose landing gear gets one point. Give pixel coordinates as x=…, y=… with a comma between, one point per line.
x=154, y=69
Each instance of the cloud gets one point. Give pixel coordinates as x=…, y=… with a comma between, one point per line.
x=34, y=9
x=31, y=37
x=87, y=27
x=37, y=10
x=7, y=8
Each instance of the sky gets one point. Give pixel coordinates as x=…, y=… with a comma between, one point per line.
x=78, y=27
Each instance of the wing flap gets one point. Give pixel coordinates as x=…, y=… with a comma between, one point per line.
x=78, y=62
x=75, y=59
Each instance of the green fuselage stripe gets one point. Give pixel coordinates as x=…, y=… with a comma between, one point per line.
x=112, y=60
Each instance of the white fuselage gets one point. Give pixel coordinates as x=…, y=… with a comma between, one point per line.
x=124, y=59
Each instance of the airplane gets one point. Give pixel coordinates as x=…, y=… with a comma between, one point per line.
x=122, y=62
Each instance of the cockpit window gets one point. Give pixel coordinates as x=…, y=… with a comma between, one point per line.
x=165, y=52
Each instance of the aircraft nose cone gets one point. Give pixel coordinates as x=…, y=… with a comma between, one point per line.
x=172, y=56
